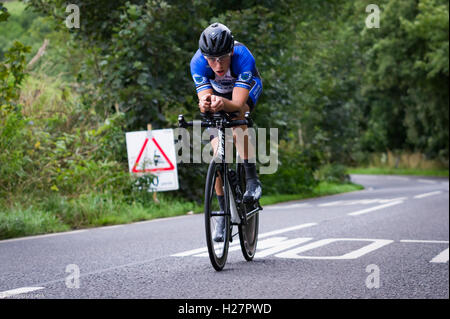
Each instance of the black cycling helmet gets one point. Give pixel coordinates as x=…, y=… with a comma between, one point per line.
x=216, y=40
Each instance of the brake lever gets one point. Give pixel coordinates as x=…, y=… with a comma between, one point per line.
x=181, y=121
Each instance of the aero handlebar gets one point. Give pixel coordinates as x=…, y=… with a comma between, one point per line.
x=214, y=120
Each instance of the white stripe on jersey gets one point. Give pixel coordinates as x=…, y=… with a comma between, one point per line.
x=223, y=84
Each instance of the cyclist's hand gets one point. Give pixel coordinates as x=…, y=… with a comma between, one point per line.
x=205, y=103
x=217, y=103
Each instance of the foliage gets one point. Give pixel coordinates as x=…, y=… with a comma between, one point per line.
x=13, y=137
x=333, y=173
x=406, y=79
x=295, y=174
x=24, y=26
x=334, y=88
x=12, y=73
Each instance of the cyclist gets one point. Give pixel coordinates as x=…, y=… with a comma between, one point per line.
x=227, y=80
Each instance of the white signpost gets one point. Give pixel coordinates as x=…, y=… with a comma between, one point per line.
x=153, y=152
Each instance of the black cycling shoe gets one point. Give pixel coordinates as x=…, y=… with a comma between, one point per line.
x=253, y=190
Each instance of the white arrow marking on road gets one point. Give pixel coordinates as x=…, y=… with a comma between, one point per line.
x=264, y=235
x=368, y=210
x=280, y=246
x=376, y=243
x=270, y=245
x=18, y=291
x=428, y=194
x=441, y=258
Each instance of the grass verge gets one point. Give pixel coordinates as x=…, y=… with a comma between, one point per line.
x=57, y=213
x=399, y=171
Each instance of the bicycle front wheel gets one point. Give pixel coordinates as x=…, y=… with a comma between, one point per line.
x=217, y=250
x=248, y=234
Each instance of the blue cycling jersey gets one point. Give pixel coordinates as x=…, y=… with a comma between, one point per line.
x=242, y=72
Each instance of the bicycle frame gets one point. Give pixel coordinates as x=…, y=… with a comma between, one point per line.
x=237, y=215
x=229, y=192
x=235, y=210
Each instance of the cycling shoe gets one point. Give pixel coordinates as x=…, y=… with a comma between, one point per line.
x=219, y=230
x=253, y=190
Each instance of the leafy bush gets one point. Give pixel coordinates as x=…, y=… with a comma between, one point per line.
x=50, y=148
x=295, y=172
x=332, y=173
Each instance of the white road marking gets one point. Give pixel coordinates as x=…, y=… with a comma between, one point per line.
x=290, y=206
x=111, y=227
x=43, y=236
x=398, y=178
x=275, y=245
x=264, y=235
x=426, y=181
x=424, y=241
x=362, y=201
x=285, y=230
x=428, y=194
x=441, y=258
x=368, y=210
x=18, y=291
x=280, y=246
x=190, y=252
x=376, y=244
x=269, y=246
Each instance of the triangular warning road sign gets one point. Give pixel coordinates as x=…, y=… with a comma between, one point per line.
x=156, y=169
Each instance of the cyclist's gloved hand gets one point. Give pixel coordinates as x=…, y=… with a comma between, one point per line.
x=205, y=103
x=217, y=103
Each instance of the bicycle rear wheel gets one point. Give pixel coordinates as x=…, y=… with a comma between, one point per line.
x=248, y=234
x=218, y=251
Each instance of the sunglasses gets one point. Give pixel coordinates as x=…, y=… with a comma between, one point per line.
x=217, y=59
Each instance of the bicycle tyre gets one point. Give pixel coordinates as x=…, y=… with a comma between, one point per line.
x=218, y=251
x=248, y=234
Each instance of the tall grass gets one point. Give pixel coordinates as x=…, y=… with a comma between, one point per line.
x=57, y=213
x=404, y=160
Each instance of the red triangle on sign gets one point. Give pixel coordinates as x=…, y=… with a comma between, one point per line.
x=170, y=168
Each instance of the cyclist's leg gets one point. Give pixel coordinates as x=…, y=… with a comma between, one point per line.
x=219, y=183
x=219, y=228
x=246, y=149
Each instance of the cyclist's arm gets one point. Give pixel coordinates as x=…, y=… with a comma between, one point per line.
x=239, y=100
x=204, y=100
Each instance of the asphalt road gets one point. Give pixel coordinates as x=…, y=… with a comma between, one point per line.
x=390, y=240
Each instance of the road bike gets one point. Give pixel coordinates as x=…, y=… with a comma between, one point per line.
x=245, y=216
